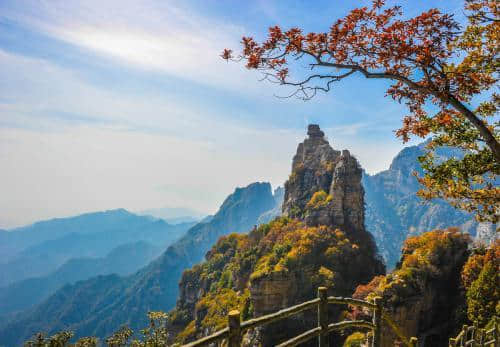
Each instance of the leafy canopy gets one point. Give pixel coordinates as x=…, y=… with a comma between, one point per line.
x=432, y=64
x=480, y=277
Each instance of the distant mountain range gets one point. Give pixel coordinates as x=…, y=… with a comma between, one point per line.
x=394, y=212
x=122, y=260
x=39, y=249
x=174, y=215
x=114, y=241
x=99, y=305
x=14, y=241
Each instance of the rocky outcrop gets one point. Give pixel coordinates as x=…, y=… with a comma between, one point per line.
x=423, y=294
x=324, y=187
x=273, y=292
x=320, y=241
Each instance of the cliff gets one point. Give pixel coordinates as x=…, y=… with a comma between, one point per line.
x=424, y=294
x=321, y=240
x=394, y=212
x=324, y=187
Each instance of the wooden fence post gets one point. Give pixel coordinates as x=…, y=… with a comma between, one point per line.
x=463, y=339
x=323, y=316
x=495, y=332
x=481, y=337
x=413, y=342
x=377, y=322
x=234, y=339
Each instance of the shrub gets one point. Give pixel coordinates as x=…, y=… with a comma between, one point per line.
x=318, y=200
x=355, y=340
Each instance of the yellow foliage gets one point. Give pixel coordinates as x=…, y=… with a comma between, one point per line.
x=318, y=200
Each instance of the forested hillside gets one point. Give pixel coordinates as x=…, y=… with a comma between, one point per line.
x=100, y=305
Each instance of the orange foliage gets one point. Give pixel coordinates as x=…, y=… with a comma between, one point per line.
x=476, y=262
x=425, y=256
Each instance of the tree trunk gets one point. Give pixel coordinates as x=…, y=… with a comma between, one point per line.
x=483, y=130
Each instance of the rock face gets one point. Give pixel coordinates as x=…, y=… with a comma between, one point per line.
x=394, y=211
x=325, y=185
x=320, y=241
x=324, y=188
x=424, y=294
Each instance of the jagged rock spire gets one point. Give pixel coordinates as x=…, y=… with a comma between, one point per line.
x=313, y=130
x=325, y=185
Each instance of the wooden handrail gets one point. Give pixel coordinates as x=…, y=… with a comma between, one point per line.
x=235, y=330
x=350, y=324
x=478, y=337
x=281, y=314
x=350, y=301
x=297, y=340
x=396, y=329
x=215, y=337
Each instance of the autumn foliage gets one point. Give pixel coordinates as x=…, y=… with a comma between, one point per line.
x=480, y=277
x=430, y=256
x=430, y=60
x=286, y=248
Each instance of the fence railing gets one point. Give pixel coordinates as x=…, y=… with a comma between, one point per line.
x=236, y=328
x=474, y=337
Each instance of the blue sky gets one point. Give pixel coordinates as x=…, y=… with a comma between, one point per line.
x=121, y=103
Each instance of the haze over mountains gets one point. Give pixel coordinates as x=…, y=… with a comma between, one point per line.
x=174, y=215
x=122, y=260
x=43, y=257
x=99, y=305
x=38, y=249
x=394, y=212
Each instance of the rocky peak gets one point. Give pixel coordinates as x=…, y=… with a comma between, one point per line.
x=325, y=185
x=314, y=131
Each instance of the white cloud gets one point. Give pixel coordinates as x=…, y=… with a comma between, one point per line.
x=68, y=146
x=132, y=151
x=86, y=168
x=135, y=151
x=152, y=35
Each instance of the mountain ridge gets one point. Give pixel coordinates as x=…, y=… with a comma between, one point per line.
x=394, y=212
x=99, y=305
x=122, y=260
x=88, y=235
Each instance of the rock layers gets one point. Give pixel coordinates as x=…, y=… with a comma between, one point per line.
x=318, y=170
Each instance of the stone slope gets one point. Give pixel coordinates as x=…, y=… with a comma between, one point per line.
x=317, y=167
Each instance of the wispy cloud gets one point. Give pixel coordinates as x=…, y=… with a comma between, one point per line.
x=151, y=35
x=106, y=101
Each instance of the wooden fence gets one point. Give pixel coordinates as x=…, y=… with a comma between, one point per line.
x=474, y=337
x=236, y=329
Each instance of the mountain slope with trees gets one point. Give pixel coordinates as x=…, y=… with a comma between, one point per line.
x=122, y=260
x=395, y=212
x=100, y=305
x=320, y=241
